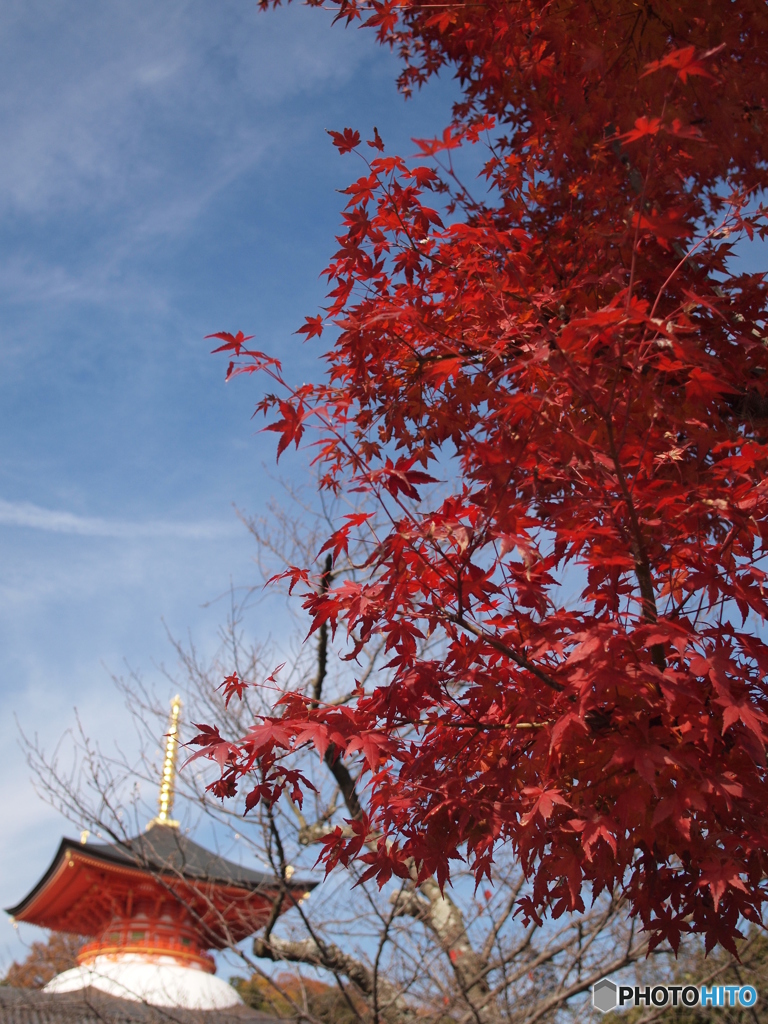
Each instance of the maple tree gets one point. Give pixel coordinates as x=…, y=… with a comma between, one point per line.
x=572, y=361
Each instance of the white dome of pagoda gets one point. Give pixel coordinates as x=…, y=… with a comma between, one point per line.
x=160, y=981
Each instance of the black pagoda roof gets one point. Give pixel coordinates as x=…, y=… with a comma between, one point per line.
x=164, y=849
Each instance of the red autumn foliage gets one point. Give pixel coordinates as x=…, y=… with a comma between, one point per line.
x=578, y=350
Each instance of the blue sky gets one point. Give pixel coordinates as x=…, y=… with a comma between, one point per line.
x=165, y=174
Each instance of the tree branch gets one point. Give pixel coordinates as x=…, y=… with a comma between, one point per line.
x=316, y=953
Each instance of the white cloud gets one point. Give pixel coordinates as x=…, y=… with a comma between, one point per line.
x=132, y=105
x=25, y=514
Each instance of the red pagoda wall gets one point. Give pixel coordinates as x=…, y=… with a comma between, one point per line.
x=152, y=928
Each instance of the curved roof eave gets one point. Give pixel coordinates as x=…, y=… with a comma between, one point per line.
x=175, y=855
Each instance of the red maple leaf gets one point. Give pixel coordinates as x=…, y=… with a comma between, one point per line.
x=346, y=140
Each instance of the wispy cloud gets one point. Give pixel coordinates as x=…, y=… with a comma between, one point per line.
x=182, y=91
x=25, y=514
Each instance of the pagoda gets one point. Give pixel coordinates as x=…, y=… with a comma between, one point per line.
x=152, y=907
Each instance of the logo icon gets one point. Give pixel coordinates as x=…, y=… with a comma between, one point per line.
x=604, y=995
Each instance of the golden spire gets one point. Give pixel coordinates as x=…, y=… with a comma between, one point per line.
x=168, y=778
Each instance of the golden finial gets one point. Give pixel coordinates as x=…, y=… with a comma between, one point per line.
x=165, y=800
